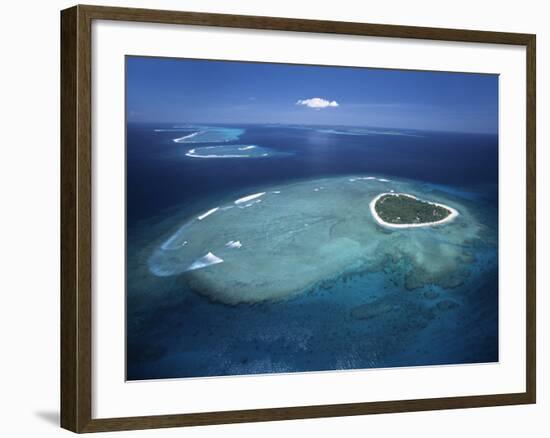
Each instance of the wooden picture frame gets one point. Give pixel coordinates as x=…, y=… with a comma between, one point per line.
x=76, y=218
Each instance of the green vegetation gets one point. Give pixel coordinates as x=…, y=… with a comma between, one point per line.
x=403, y=209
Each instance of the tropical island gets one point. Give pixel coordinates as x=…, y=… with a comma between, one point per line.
x=401, y=210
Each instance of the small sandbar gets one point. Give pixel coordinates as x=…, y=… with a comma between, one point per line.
x=234, y=244
x=249, y=198
x=208, y=213
x=207, y=260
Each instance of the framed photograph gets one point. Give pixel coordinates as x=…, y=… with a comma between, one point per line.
x=269, y=218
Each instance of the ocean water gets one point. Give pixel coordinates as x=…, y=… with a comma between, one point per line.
x=307, y=280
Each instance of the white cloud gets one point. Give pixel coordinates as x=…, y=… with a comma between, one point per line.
x=317, y=103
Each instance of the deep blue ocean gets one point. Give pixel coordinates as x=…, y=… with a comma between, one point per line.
x=173, y=332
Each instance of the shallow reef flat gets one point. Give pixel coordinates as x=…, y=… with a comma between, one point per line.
x=209, y=134
x=281, y=241
x=365, y=131
x=234, y=151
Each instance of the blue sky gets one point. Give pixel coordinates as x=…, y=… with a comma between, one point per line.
x=200, y=91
